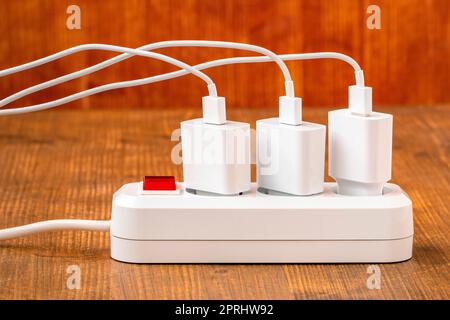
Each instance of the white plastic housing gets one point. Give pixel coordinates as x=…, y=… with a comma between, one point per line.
x=216, y=158
x=290, y=110
x=214, y=110
x=260, y=227
x=360, y=100
x=360, y=151
x=290, y=158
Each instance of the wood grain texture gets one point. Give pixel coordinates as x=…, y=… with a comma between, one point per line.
x=67, y=164
x=407, y=61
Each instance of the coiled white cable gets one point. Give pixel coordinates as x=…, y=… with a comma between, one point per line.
x=153, y=46
x=359, y=75
x=211, y=86
x=128, y=51
x=149, y=47
x=131, y=83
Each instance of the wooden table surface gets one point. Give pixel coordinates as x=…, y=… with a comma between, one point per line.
x=67, y=163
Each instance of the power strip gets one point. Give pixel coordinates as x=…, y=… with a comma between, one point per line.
x=260, y=226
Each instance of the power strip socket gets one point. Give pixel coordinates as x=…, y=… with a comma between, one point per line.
x=260, y=226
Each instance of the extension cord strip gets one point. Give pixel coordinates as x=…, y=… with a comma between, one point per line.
x=260, y=226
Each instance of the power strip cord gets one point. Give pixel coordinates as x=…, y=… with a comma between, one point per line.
x=53, y=225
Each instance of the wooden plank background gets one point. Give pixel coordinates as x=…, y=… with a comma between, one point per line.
x=407, y=61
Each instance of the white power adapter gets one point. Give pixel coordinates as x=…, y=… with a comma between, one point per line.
x=290, y=153
x=360, y=145
x=216, y=152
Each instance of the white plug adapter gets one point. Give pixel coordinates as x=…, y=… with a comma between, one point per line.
x=290, y=154
x=216, y=153
x=290, y=110
x=360, y=100
x=214, y=110
x=360, y=146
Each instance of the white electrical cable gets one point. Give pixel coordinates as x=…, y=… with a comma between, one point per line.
x=53, y=225
x=359, y=75
x=211, y=86
x=131, y=83
x=128, y=51
x=153, y=46
x=289, y=84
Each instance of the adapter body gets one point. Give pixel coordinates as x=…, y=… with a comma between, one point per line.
x=216, y=158
x=290, y=158
x=360, y=151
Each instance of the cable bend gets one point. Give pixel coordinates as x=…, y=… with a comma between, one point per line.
x=210, y=84
x=289, y=85
x=157, y=45
x=108, y=47
x=162, y=77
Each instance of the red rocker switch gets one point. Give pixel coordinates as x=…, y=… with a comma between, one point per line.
x=159, y=183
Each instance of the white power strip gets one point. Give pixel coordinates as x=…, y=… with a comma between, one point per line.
x=260, y=227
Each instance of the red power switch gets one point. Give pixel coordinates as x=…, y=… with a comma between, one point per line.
x=159, y=183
